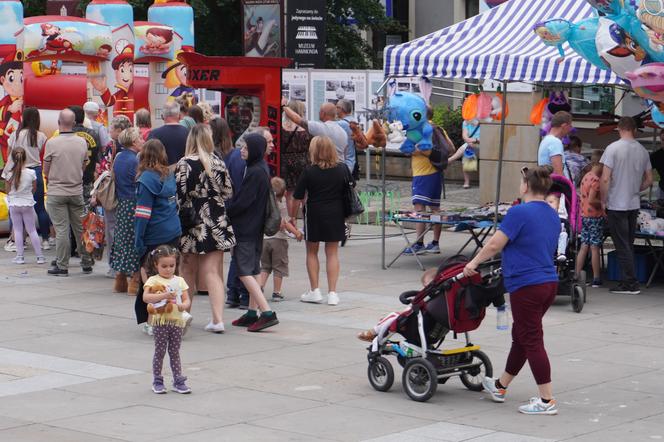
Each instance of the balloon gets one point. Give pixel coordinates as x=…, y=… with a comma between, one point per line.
x=651, y=15
x=657, y=115
x=648, y=81
x=580, y=36
x=607, y=7
x=411, y=110
x=617, y=48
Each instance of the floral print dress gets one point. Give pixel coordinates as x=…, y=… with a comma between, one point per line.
x=207, y=196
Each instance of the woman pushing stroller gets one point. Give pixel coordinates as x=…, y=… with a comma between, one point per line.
x=527, y=238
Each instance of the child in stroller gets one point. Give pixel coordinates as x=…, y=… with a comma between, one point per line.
x=448, y=302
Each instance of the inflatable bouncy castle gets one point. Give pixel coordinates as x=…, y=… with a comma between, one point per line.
x=105, y=48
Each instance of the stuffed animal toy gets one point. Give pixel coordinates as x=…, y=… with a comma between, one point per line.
x=396, y=133
x=358, y=136
x=163, y=306
x=411, y=110
x=376, y=135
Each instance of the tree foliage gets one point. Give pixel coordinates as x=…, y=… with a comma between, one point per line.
x=347, y=20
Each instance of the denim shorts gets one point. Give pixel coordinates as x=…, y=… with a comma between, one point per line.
x=592, y=231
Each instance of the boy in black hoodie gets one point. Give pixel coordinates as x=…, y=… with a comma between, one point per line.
x=247, y=213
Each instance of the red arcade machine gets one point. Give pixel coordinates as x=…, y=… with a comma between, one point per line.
x=250, y=92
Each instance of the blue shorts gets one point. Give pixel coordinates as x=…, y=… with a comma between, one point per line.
x=427, y=189
x=592, y=231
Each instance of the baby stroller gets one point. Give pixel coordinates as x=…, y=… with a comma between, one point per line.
x=567, y=284
x=451, y=302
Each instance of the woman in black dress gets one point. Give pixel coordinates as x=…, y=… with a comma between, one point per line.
x=294, y=150
x=323, y=183
x=203, y=186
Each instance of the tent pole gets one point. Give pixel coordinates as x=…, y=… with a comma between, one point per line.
x=500, y=153
x=383, y=153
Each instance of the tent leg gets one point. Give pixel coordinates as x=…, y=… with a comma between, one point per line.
x=500, y=154
x=382, y=215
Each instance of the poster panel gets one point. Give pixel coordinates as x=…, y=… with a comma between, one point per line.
x=295, y=85
x=305, y=42
x=332, y=86
x=262, y=28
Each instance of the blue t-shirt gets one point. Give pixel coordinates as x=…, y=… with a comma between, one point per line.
x=533, y=229
x=470, y=128
x=549, y=147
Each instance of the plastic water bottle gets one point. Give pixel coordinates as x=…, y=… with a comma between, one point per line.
x=501, y=318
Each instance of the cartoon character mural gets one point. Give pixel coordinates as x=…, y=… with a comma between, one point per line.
x=158, y=40
x=411, y=110
x=122, y=100
x=11, y=105
x=53, y=40
x=175, y=76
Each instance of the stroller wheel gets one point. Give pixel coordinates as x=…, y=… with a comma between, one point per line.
x=472, y=378
x=420, y=379
x=380, y=373
x=579, y=293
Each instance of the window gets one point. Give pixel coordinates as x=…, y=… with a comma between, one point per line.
x=601, y=99
x=160, y=89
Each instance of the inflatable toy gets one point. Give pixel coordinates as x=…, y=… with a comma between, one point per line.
x=656, y=115
x=648, y=81
x=411, y=110
x=617, y=48
x=580, y=36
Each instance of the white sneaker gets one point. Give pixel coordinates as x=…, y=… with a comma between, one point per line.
x=10, y=246
x=187, y=321
x=18, y=260
x=41, y=260
x=215, y=328
x=332, y=298
x=536, y=406
x=51, y=241
x=45, y=245
x=147, y=329
x=312, y=296
x=110, y=273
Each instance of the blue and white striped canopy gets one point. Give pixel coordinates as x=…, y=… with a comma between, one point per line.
x=499, y=45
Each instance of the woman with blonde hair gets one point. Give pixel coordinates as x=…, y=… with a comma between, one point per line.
x=323, y=184
x=203, y=187
x=124, y=258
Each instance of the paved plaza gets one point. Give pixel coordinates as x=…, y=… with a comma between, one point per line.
x=74, y=366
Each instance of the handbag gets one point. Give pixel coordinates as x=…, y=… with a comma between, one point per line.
x=272, y=223
x=188, y=217
x=103, y=190
x=352, y=204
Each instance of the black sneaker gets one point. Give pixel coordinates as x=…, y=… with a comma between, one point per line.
x=277, y=297
x=55, y=271
x=245, y=320
x=624, y=289
x=232, y=303
x=264, y=321
x=54, y=263
x=86, y=270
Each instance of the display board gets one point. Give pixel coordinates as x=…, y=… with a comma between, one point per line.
x=332, y=86
x=305, y=42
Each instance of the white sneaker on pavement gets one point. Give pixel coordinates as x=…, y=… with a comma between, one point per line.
x=45, y=245
x=215, y=328
x=10, y=246
x=187, y=321
x=312, y=296
x=332, y=298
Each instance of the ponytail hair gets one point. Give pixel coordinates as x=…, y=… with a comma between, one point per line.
x=199, y=142
x=18, y=157
x=538, y=179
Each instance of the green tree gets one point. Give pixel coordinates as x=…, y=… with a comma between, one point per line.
x=346, y=20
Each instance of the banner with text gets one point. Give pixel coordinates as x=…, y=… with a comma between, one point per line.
x=305, y=42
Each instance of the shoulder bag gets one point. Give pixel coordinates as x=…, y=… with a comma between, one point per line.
x=352, y=204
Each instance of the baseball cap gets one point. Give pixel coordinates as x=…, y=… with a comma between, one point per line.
x=91, y=106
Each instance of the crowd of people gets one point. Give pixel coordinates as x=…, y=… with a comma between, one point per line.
x=174, y=199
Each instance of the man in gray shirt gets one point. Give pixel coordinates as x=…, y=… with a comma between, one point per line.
x=327, y=126
x=65, y=159
x=627, y=172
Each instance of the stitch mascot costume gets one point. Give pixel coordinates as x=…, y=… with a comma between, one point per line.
x=411, y=110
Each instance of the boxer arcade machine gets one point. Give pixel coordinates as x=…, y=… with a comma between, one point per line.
x=250, y=92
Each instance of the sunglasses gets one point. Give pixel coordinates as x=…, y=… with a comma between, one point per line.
x=524, y=171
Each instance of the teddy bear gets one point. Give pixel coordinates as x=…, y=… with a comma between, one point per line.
x=376, y=136
x=396, y=133
x=163, y=306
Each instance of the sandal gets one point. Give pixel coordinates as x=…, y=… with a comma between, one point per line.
x=466, y=186
x=367, y=335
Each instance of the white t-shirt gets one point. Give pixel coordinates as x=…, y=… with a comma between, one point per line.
x=550, y=146
x=335, y=132
x=22, y=197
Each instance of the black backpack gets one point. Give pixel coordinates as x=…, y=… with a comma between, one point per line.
x=441, y=149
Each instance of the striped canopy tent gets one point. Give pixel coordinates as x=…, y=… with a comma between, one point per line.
x=499, y=45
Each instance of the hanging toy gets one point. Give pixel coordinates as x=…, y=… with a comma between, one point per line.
x=538, y=111
x=618, y=49
x=469, y=108
x=411, y=110
x=648, y=81
x=581, y=37
x=497, y=107
x=484, y=107
x=558, y=102
x=656, y=114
